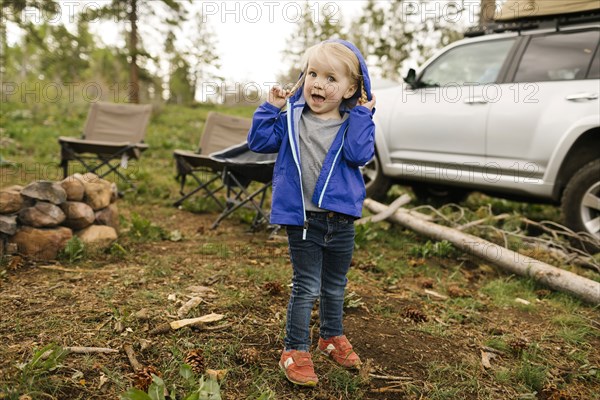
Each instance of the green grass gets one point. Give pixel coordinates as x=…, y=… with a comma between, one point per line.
x=573, y=329
x=345, y=382
x=504, y=291
x=386, y=257
x=455, y=381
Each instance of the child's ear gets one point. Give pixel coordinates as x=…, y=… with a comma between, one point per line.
x=350, y=92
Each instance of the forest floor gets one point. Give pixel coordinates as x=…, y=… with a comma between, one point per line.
x=428, y=321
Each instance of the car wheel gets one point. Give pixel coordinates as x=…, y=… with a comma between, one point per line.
x=437, y=195
x=581, y=200
x=376, y=184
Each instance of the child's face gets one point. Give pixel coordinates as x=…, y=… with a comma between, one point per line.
x=327, y=84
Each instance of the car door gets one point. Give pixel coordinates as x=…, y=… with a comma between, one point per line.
x=553, y=85
x=441, y=122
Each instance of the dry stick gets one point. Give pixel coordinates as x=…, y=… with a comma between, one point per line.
x=389, y=389
x=555, y=278
x=390, y=377
x=90, y=350
x=581, y=237
x=399, y=202
x=566, y=257
x=202, y=326
x=482, y=220
x=212, y=317
x=77, y=270
x=135, y=364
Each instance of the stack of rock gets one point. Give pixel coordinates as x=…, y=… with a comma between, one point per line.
x=40, y=218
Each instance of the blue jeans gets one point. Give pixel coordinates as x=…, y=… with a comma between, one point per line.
x=320, y=266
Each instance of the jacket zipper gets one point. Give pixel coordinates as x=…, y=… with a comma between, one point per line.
x=297, y=161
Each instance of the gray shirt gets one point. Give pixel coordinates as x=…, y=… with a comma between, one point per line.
x=316, y=137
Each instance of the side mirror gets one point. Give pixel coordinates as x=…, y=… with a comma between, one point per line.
x=411, y=78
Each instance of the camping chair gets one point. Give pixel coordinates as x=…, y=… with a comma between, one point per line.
x=220, y=132
x=239, y=167
x=112, y=132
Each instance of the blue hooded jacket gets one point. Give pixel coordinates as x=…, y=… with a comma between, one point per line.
x=340, y=186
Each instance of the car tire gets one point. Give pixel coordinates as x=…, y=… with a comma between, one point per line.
x=438, y=195
x=580, y=201
x=376, y=184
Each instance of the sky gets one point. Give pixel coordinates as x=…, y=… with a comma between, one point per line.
x=251, y=35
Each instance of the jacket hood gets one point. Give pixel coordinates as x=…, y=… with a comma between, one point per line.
x=363, y=70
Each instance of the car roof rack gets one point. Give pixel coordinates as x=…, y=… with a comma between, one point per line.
x=526, y=24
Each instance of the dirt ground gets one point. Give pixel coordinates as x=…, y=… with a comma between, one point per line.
x=97, y=302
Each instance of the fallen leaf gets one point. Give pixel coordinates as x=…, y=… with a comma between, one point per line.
x=486, y=357
x=103, y=380
x=175, y=236
x=77, y=375
x=144, y=344
x=217, y=374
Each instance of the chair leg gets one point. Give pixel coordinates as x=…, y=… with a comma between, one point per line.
x=115, y=169
x=203, y=186
x=239, y=202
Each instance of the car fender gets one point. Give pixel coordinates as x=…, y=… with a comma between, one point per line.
x=566, y=142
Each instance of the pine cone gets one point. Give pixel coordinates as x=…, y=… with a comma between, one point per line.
x=16, y=262
x=427, y=283
x=248, y=355
x=273, y=288
x=195, y=359
x=518, y=344
x=143, y=378
x=415, y=315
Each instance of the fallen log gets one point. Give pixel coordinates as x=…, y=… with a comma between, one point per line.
x=399, y=202
x=510, y=261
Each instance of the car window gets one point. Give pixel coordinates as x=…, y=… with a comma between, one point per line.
x=558, y=57
x=473, y=63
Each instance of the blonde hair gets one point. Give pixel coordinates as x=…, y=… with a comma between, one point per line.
x=342, y=53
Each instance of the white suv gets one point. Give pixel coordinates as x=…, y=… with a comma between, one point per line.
x=514, y=113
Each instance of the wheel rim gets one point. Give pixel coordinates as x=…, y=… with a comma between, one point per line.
x=370, y=171
x=590, y=210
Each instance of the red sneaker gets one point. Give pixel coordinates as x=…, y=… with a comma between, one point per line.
x=340, y=350
x=298, y=367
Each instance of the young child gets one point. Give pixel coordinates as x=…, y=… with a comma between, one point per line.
x=323, y=137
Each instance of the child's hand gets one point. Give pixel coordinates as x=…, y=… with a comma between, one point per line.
x=278, y=96
x=369, y=104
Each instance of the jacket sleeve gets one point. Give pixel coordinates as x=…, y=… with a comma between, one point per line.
x=268, y=129
x=359, y=147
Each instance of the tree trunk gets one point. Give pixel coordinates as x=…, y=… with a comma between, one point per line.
x=488, y=9
x=510, y=261
x=134, y=90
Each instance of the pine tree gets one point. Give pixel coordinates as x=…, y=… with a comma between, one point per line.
x=134, y=12
x=14, y=11
x=389, y=34
x=180, y=86
x=200, y=53
x=311, y=30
